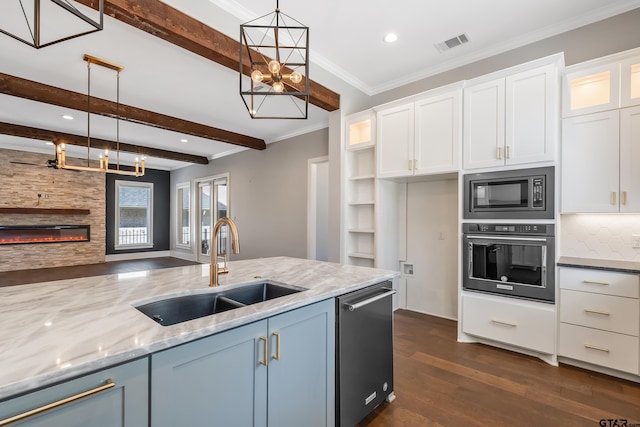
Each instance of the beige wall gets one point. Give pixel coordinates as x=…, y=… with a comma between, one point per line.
x=19, y=188
x=268, y=195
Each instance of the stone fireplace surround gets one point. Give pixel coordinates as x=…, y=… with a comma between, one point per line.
x=35, y=186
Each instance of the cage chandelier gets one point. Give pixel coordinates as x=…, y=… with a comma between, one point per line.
x=41, y=23
x=61, y=158
x=274, y=52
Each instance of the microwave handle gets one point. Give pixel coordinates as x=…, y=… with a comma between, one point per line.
x=544, y=266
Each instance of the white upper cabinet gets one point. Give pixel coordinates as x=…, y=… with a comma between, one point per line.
x=395, y=141
x=438, y=130
x=483, y=142
x=591, y=90
x=630, y=159
x=511, y=120
x=532, y=115
x=602, y=84
x=590, y=155
x=421, y=137
x=630, y=82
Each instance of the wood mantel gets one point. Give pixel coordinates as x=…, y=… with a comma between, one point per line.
x=44, y=211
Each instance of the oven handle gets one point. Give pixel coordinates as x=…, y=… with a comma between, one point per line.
x=354, y=307
x=494, y=237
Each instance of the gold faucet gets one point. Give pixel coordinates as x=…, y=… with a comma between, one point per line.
x=214, y=270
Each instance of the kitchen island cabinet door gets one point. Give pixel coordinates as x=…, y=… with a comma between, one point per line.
x=113, y=397
x=302, y=367
x=216, y=380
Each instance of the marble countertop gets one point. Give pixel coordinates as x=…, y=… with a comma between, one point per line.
x=53, y=331
x=600, y=264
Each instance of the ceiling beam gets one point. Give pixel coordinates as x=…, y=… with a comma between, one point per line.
x=80, y=140
x=174, y=26
x=34, y=91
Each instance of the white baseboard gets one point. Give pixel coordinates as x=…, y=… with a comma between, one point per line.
x=137, y=255
x=184, y=256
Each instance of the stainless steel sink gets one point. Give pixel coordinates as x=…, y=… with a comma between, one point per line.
x=170, y=311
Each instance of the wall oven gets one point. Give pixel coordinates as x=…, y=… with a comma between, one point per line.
x=516, y=260
x=512, y=194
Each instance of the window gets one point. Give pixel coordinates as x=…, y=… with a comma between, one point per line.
x=211, y=204
x=134, y=213
x=183, y=216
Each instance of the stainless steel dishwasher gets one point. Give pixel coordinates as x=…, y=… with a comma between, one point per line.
x=364, y=352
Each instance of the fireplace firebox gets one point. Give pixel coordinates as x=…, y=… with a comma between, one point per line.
x=27, y=234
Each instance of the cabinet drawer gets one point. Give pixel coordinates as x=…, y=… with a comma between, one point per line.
x=599, y=281
x=116, y=396
x=609, y=313
x=526, y=325
x=602, y=348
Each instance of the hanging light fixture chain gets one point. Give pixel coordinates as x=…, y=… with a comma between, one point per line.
x=118, y=119
x=88, y=113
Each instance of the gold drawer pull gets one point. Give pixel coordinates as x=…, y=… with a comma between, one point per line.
x=604, y=313
x=277, y=355
x=613, y=197
x=594, y=347
x=507, y=152
x=623, y=198
x=107, y=385
x=591, y=282
x=502, y=322
x=499, y=154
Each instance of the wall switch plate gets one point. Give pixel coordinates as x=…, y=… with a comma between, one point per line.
x=636, y=241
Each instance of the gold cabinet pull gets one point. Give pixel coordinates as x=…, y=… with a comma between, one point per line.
x=595, y=347
x=613, y=197
x=623, y=197
x=265, y=352
x=107, y=385
x=591, y=282
x=604, y=313
x=410, y=165
x=277, y=355
x=499, y=153
x=507, y=152
x=502, y=322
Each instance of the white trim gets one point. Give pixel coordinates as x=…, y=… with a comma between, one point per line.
x=177, y=228
x=138, y=255
x=150, y=187
x=183, y=255
x=311, y=203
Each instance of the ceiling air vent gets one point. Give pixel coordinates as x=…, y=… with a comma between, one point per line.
x=452, y=42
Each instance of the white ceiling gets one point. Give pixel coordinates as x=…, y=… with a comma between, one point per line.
x=344, y=37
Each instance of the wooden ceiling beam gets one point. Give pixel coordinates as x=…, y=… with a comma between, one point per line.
x=80, y=140
x=174, y=26
x=34, y=91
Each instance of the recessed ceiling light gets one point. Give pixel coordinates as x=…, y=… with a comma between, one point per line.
x=67, y=117
x=390, y=38
x=184, y=140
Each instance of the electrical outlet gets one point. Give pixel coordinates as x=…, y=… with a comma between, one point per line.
x=636, y=241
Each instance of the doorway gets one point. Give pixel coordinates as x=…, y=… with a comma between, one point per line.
x=213, y=203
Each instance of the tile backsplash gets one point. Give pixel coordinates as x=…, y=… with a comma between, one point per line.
x=599, y=236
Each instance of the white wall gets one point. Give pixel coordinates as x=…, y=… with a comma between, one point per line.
x=599, y=236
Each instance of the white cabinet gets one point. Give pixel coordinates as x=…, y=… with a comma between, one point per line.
x=395, y=141
x=602, y=84
x=600, y=318
x=601, y=162
x=438, y=127
x=360, y=191
x=511, y=120
x=421, y=137
x=525, y=324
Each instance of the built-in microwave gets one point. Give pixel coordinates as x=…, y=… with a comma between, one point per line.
x=512, y=194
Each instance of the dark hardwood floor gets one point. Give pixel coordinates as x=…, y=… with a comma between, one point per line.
x=22, y=277
x=440, y=382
